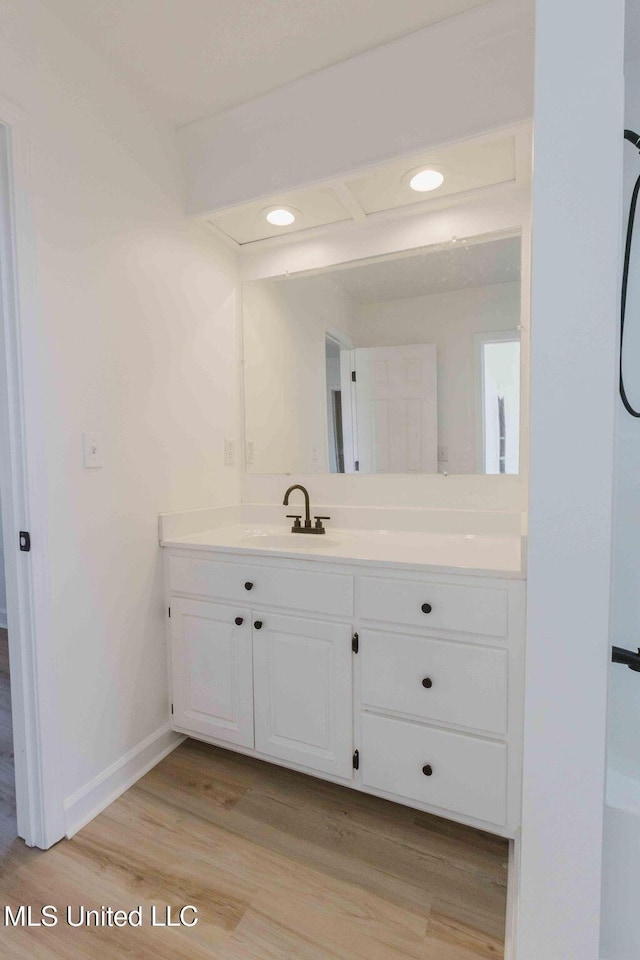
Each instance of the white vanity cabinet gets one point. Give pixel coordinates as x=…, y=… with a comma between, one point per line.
x=390, y=679
x=256, y=663
x=212, y=670
x=302, y=692
x=440, y=692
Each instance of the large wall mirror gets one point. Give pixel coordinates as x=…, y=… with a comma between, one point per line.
x=408, y=363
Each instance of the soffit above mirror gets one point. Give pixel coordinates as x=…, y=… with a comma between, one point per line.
x=466, y=167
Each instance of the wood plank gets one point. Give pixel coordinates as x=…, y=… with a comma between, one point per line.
x=8, y=825
x=280, y=866
x=391, y=850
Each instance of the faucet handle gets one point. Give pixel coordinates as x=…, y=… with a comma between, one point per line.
x=296, y=518
x=319, y=522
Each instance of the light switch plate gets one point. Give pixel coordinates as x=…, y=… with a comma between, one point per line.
x=229, y=452
x=92, y=450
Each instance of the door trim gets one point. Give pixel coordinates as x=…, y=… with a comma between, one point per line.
x=35, y=710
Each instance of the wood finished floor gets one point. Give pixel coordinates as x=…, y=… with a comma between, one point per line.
x=7, y=783
x=281, y=867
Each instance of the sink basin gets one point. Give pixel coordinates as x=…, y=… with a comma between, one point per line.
x=288, y=541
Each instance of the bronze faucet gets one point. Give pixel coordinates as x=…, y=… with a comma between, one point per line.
x=297, y=526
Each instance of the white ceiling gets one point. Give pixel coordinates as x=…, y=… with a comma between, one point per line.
x=194, y=58
x=454, y=267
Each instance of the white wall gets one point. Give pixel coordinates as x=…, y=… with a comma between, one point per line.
x=624, y=693
x=576, y=233
x=477, y=69
x=134, y=337
x=450, y=320
x=619, y=924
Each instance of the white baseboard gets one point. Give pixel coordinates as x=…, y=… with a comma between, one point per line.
x=90, y=800
x=3, y=617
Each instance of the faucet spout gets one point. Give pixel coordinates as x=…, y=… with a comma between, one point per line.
x=307, y=507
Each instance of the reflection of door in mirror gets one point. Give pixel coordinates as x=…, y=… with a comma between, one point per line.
x=335, y=429
x=500, y=402
x=396, y=409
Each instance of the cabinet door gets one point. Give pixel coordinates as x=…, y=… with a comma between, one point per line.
x=302, y=691
x=212, y=670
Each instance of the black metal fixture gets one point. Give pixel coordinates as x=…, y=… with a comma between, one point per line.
x=308, y=527
x=427, y=770
x=427, y=682
x=239, y=621
x=257, y=624
x=248, y=585
x=426, y=608
x=633, y=138
x=628, y=657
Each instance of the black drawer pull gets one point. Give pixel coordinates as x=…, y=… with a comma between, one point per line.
x=427, y=682
x=258, y=624
x=427, y=769
x=239, y=621
x=426, y=608
x=248, y=585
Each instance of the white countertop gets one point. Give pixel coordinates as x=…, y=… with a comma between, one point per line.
x=475, y=555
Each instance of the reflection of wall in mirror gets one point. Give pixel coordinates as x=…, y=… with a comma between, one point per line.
x=450, y=321
x=285, y=324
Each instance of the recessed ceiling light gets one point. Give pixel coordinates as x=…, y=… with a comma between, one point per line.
x=424, y=180
x=280, y=217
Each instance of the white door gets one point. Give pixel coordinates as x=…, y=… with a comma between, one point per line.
x=212, y=670
x=397, y=409
x=302, y=689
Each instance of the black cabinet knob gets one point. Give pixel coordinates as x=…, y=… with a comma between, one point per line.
x=248, y=585
x=427, y=770
x=239, y=621
x=427, y=682
x=258, y=624
x=426, y=608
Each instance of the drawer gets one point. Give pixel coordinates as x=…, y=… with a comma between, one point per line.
x=459, y=683
x=327, y=593
x=469, y=775
x=421, y=603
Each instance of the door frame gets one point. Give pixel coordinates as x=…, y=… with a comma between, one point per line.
x=35, y=712
x=479, y=342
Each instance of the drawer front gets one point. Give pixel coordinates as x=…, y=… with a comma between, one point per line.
x=327, y=593
x=435, y=679
x=416, y=603
x=469, y=775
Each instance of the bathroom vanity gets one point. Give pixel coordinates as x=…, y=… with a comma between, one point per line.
x=385, y=654
x=389, y=662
